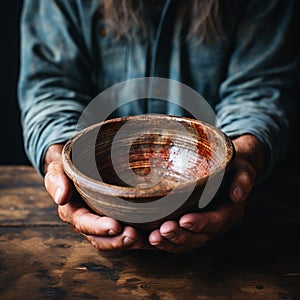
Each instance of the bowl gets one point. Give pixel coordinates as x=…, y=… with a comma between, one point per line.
x=142, y=170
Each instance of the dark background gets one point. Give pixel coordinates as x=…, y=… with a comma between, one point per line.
x=11, y=150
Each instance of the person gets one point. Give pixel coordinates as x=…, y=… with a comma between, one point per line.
x=237, y=54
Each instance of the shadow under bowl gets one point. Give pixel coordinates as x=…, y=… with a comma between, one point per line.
x=142, y=170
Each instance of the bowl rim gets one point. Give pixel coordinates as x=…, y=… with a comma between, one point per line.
x=86, y=182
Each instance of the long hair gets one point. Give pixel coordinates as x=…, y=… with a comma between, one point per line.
x=127, y=16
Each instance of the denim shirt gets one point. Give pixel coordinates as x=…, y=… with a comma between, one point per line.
x=68, y=57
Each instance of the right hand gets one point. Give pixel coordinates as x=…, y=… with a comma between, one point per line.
x=103, y=232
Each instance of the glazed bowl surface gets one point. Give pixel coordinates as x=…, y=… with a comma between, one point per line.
x=142, y=170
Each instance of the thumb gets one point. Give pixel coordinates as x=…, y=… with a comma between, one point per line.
x=243, y=180
x=57, y=183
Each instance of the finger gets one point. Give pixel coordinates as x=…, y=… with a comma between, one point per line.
x=128, y=239
x=171, y=231
x=215, y=221
x=178, y=236
x=243, y=181
x=57, y=183
x=158, y=241
x=106, y=233
x=183, y=242
x=88, y=223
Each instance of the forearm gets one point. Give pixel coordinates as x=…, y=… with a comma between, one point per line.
x=257, y=94
x=54, y=83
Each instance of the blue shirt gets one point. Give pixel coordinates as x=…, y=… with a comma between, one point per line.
x=68, y=57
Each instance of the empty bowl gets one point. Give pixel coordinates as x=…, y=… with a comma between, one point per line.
x=145, y=169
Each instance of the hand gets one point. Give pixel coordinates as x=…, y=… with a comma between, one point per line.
x=196, y=229
x=103, y=232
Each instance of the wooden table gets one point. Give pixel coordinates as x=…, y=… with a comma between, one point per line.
x=43, y=258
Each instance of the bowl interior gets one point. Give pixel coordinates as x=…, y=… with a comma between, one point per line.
x=142, y=152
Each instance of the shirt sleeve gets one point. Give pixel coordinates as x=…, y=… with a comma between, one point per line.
x=54, y=81
x=258, y=92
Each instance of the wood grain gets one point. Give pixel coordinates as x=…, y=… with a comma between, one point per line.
x=43, y=258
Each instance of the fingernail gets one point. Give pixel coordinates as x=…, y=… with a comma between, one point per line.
x=237, y=194
x=188, y=226
x=111, y=232
x=127, y=241
x=155, y=243
x=58, y=194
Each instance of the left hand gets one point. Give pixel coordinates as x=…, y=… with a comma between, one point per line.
x=194, y=230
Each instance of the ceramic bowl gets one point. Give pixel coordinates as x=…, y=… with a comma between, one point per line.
x=143, y=170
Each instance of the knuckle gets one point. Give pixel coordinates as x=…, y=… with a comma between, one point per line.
x=47, y=177
x=180, y=239
x=77, y=225
x=200, y=226
x=249, y=174
x=247, y=178
x=48, y=180
x=116, y=244
x=54, y=166
x=96, y=243
x=62, y=214
x=93, y=242
x=76, y=220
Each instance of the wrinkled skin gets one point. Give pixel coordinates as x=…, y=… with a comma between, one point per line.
x=193, y=230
